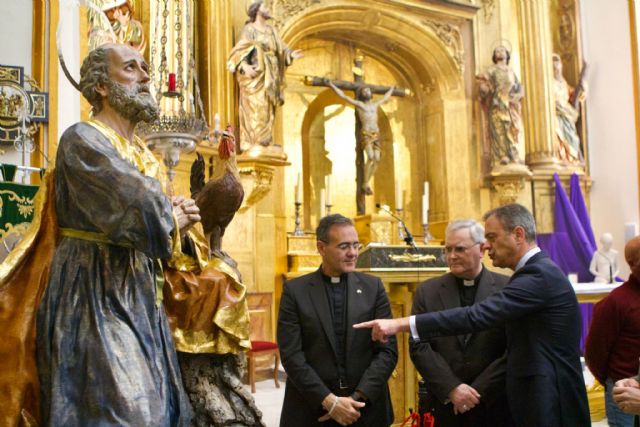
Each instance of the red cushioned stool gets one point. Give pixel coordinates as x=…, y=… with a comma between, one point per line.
x=258, y=348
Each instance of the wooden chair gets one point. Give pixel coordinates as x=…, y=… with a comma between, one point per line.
x=259, y=348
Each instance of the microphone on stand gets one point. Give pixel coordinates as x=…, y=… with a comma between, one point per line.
x=409, y=239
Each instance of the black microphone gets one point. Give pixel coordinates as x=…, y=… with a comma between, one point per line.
x=409, y=239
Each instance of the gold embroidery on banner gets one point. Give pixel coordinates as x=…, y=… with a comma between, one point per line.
x=17, y=229
x=25, y=204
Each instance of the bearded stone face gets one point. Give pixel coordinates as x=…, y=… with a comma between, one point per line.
x=134, y=102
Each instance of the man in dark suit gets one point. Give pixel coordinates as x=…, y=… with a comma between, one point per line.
x=334, y=372
x=539, y=308
x=464, y=374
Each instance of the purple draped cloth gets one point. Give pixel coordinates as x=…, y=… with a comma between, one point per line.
x=580, y=208
x=572, y=243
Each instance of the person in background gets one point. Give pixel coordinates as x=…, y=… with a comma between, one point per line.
x=612, y=347
x=464, y=374
x=539, y=309
x=334, y=372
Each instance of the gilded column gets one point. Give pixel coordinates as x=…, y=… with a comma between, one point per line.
x=215, y=40
x=539, y=107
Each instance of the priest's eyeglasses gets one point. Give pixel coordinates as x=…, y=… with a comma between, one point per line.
x=458, y=250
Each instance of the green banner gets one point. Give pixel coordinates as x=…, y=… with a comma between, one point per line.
x=16, y=207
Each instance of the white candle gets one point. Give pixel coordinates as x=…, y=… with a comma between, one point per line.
x=425, y=198
x=426, y=189
x=398, y=195
x=327, y=184
x=425, y=209
x=323, y=211
x=216, y=123
x=299, y=189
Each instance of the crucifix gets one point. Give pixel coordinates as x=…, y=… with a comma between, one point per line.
x=367, y=131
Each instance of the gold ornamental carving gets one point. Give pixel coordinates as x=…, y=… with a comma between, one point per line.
x=260, y=178
x=488, y=7
x=409, y=257
x=371, y=18
x=285, y=9
x=566, y=26
x=508, y=189
x=451, y=36
x=381, y=232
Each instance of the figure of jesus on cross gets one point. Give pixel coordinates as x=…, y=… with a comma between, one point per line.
x=367, y=130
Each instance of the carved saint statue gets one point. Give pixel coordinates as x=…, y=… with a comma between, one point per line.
x=124, y=28
x=370, y=132
x=567, y=114
x=501, y=94
x=604, y=263
x=259, y=60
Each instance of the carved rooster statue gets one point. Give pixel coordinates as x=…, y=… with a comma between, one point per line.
x=221, y=196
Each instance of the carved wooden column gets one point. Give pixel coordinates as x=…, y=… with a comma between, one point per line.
x=539, y=106
x=215, y=40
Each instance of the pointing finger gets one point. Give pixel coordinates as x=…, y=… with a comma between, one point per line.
x=364, y=325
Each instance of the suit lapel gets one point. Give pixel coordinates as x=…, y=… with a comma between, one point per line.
x=318, y=297
x=355, y=296
x=450, y=297
x=486, y=286
x=449, y=294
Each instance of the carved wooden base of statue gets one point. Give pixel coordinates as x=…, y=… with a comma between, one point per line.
x=217, y=394
x=513, y=168
x=265, y=151
x=508, y=183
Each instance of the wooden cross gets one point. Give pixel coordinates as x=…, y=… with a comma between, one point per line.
x=354, y=86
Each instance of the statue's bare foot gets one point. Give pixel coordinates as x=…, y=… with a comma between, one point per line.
x=367, y=190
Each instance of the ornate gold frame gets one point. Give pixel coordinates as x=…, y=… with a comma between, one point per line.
x=44, y=69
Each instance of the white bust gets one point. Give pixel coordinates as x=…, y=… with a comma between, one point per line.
x=604, y=264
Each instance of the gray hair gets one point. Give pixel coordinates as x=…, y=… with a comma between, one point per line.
x=94, y=71
x=515, y=215
x=476, y=230
x=322, y=232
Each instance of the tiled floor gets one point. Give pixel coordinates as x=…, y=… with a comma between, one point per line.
x=269, y=400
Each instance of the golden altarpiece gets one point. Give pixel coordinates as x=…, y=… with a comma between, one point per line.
x=434, y=48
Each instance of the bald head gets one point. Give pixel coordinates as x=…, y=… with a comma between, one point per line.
x=632, y=255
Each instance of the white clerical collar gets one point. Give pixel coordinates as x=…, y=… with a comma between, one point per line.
x=526, y=257
x=335, y=279
x=469, y=283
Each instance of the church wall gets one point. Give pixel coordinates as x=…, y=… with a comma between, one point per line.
x=611, y=124
x=16, y=27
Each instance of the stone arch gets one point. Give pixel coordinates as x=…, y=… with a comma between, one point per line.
x=414, y=47
x=423, y=62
